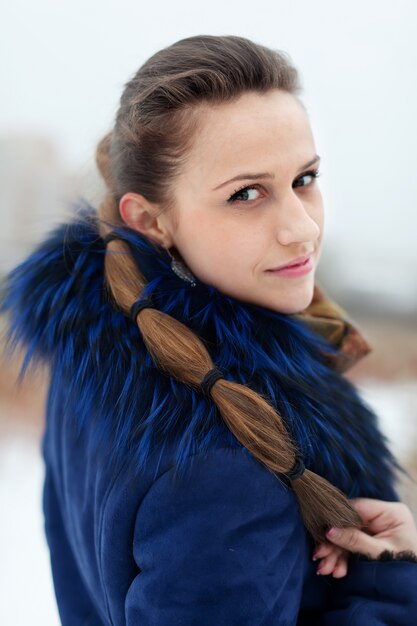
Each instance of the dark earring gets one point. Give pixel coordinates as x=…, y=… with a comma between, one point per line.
x=181, y=270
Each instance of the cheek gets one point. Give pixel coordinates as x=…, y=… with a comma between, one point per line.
x=223, y=254
x=220, y=237
x=232, y=249
x=203, y=246
x=245, y=244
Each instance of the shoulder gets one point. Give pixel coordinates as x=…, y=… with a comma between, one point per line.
x=224, y=487
x=230, y=467
x=223, y=480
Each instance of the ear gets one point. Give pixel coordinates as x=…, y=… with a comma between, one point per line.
x=141, y=215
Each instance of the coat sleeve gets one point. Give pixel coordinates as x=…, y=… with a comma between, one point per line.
x=223, y=546
x=375, y=593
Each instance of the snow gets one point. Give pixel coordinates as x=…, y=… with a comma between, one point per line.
x=25, y=575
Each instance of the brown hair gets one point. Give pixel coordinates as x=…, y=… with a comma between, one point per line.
x=159, y=112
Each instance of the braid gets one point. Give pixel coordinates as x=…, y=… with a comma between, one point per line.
x=148, y=128
x=179, y=352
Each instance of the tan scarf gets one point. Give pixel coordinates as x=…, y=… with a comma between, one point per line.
x=328, y=319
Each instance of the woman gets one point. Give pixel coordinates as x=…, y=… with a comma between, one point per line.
x=200, y=436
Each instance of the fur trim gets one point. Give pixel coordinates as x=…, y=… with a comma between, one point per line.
x=103, y=378
x=386, y=555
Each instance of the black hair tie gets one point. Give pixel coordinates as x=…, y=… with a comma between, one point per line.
x=110, y=237
x=297, y=470
x=209, y=380
x=138, y=305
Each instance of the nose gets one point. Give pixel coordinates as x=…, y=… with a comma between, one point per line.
x=295, y=224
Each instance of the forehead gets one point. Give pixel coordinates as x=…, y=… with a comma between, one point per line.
x=258, y=131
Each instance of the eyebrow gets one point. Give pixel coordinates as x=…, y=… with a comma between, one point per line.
x=263, y=175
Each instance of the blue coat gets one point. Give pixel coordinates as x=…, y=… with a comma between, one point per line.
x=155, y=514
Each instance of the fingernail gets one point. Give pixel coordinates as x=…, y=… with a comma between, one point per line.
x=332, y=532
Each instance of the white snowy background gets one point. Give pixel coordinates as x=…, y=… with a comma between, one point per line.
x=62, y=69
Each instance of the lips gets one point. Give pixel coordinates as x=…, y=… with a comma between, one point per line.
x=301, y=260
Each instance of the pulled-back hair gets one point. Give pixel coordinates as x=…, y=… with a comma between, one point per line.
x=159, y=115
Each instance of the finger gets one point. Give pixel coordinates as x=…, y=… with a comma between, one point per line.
x=324, y=549
x=355, y=540
x=379, y=515
x=333, y=560
x=371, y=508
x=341, y=568
x=327, y=565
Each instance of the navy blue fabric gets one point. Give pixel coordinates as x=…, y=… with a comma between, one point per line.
x=132, y=539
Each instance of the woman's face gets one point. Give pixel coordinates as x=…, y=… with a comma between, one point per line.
x=230, y=240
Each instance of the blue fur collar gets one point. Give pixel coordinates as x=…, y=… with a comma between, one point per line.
x=60, y=311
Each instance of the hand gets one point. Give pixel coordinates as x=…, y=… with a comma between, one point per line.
x=334, y=560
x=387, y=526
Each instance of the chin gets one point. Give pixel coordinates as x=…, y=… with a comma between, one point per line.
x=297, y=301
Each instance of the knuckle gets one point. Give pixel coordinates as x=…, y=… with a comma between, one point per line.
x=351, y=538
